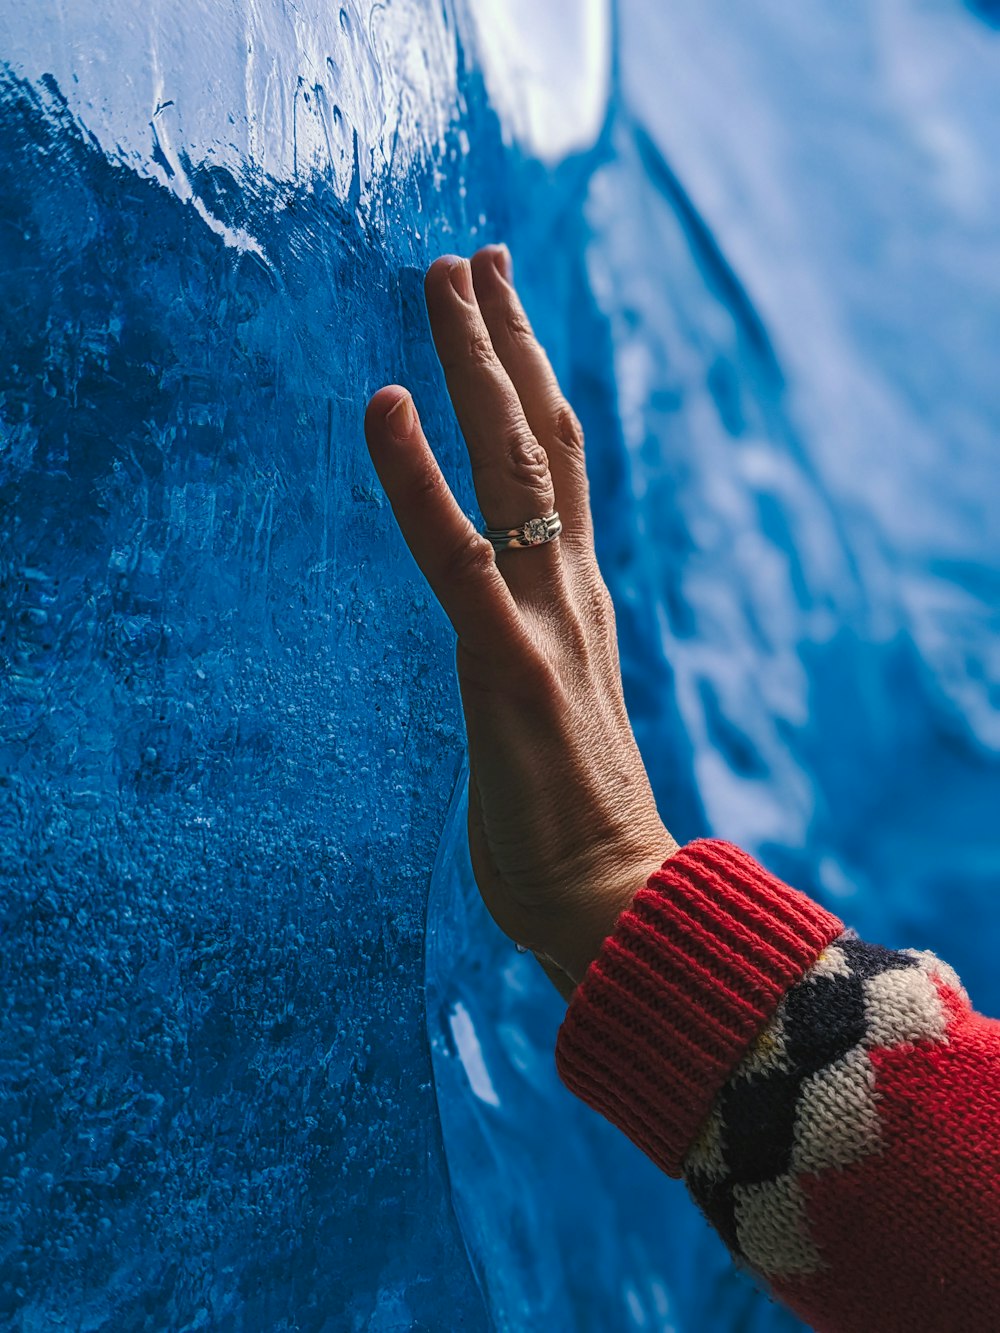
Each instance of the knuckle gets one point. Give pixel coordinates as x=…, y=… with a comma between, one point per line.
x=427, y=486
x=474, y=352
x=516, y=326
x=567, y=429
x=479, y=351
x=472, y=561
x=527, y=461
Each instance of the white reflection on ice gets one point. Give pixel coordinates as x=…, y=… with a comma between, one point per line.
x=471, y=1054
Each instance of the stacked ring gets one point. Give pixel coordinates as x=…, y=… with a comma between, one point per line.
x=535, y=532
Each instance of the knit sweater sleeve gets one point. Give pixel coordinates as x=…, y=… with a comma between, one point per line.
x=833, y=1106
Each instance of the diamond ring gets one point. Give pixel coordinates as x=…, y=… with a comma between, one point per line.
x=535, y=532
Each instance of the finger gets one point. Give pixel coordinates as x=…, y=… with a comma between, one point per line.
x=456, y=560
x=509, y=466
x=549, y=415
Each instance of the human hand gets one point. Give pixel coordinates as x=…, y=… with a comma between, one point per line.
x=563, y=828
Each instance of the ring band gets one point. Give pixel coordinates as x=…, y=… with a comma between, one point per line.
x=535, y=532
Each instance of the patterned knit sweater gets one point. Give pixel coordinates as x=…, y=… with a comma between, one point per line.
x=833, y=1106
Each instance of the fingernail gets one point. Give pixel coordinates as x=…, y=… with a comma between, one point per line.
x=503, y=262
x=401, y=417
x=461, y=279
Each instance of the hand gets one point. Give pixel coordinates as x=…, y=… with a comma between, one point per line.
x=563, y=828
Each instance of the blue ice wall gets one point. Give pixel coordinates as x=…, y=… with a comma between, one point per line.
x=266, y=1063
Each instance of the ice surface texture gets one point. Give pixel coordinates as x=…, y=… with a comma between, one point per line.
x=236, y=1093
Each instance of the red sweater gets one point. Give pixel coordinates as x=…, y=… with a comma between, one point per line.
x=833, y=1106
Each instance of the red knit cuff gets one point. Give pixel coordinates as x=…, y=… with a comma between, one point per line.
x=689, y=976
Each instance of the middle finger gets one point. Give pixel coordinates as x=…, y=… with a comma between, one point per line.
x=510, y=468
x=545, y=407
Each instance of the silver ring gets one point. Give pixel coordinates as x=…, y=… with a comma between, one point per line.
x=535, y=532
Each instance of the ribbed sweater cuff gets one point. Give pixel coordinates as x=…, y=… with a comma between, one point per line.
x=691, y=973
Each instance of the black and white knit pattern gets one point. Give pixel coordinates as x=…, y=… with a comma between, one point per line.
x=803, y=1098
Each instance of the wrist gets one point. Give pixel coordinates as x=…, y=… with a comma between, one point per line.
x=576, y=949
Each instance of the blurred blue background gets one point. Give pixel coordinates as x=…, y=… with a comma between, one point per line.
x=266, y=1064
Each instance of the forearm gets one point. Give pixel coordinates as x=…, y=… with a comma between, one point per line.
x=833, y=1106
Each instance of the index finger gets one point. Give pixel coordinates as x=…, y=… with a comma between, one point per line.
x=457, y=561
